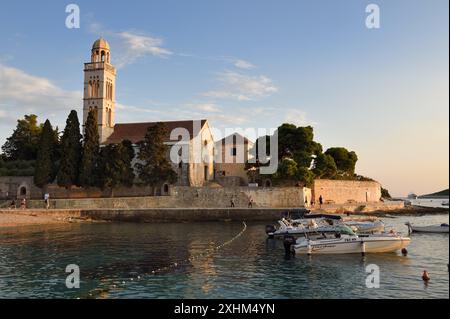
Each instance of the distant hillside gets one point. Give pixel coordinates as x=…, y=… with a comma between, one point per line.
x=444, y=193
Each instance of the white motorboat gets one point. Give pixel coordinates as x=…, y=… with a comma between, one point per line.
x=309, y=224
x=347, y=242
x=316, y=224
x=440, y=229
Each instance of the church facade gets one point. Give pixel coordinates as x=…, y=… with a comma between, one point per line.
x=196, y=168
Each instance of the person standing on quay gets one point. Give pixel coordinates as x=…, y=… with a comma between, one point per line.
x=23, y=204
x=320, y=201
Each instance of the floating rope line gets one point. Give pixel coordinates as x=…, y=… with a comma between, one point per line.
x=208, y=253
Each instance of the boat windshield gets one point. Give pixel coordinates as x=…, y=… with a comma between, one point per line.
x=345, y=230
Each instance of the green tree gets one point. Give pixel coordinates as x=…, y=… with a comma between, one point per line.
x=115, y=166
x=89, y=173
x=298, y=143
x=154, y=169
x=125, y=154
x=44, y=173
x=23, y=144
x=287, y=170
x=305, y=176
x=324, y=166
x=344, y=159
x=68, y=174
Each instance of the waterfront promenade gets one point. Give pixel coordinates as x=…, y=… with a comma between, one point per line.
x=39, y=216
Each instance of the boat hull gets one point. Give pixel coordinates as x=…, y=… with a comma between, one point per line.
x=354, y=246
x=430, y=229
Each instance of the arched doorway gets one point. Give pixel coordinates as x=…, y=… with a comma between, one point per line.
x=165, y=190
x=22, y=191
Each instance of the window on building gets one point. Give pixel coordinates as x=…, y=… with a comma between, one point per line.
x=234, y=151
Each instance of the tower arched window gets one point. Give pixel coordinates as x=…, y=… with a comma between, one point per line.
x=109, y=118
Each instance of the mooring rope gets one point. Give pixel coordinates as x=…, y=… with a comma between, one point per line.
x=208, y=253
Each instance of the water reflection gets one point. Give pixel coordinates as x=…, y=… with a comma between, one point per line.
x=117, y=260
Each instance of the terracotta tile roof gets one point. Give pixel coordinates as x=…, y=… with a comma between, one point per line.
x=135, y=132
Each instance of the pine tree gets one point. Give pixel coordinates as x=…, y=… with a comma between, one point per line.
x=44, y=168
x=89, y=163
x=154, y=169
x=68, y=174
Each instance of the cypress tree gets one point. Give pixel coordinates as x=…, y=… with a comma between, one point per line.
x=44, y=168
x=154, y=169
x=115, y=166
x=68, y=174
x=89, y=163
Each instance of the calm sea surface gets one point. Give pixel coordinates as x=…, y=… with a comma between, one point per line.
x=117, y=260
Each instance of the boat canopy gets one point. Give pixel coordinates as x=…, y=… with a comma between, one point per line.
x=345, y=230
x=313, y=216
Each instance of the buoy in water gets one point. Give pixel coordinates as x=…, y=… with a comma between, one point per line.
x=405, y=252
x=425, y=276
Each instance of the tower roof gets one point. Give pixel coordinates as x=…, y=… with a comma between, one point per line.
x=100, y=44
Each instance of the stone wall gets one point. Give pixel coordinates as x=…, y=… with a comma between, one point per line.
x=343, y=192
x=13, y=187
x=181, y=197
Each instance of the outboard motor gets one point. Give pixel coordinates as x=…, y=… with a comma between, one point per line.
x=288, y=242
x=270, y=230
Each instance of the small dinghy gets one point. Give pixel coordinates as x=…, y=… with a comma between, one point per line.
x=436, y=229
x=347, y=242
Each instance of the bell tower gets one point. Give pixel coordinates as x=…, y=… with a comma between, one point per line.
x=99, y=88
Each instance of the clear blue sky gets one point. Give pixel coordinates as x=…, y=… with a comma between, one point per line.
x=382, y=93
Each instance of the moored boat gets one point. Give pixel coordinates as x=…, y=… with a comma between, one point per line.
x=316, y=224
x=347, y=242
x=437, y=229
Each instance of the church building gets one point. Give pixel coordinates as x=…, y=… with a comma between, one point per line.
x=99, y=95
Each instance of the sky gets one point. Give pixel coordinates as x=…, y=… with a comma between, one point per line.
x=383, y=93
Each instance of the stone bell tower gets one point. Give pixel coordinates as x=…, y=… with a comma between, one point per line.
x=99, y=88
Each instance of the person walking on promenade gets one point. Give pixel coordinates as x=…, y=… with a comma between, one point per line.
x=13, y=205
x=47, y=200
x=320, y=201
x=250, y=203
x=306, y=202
x=232, y=202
